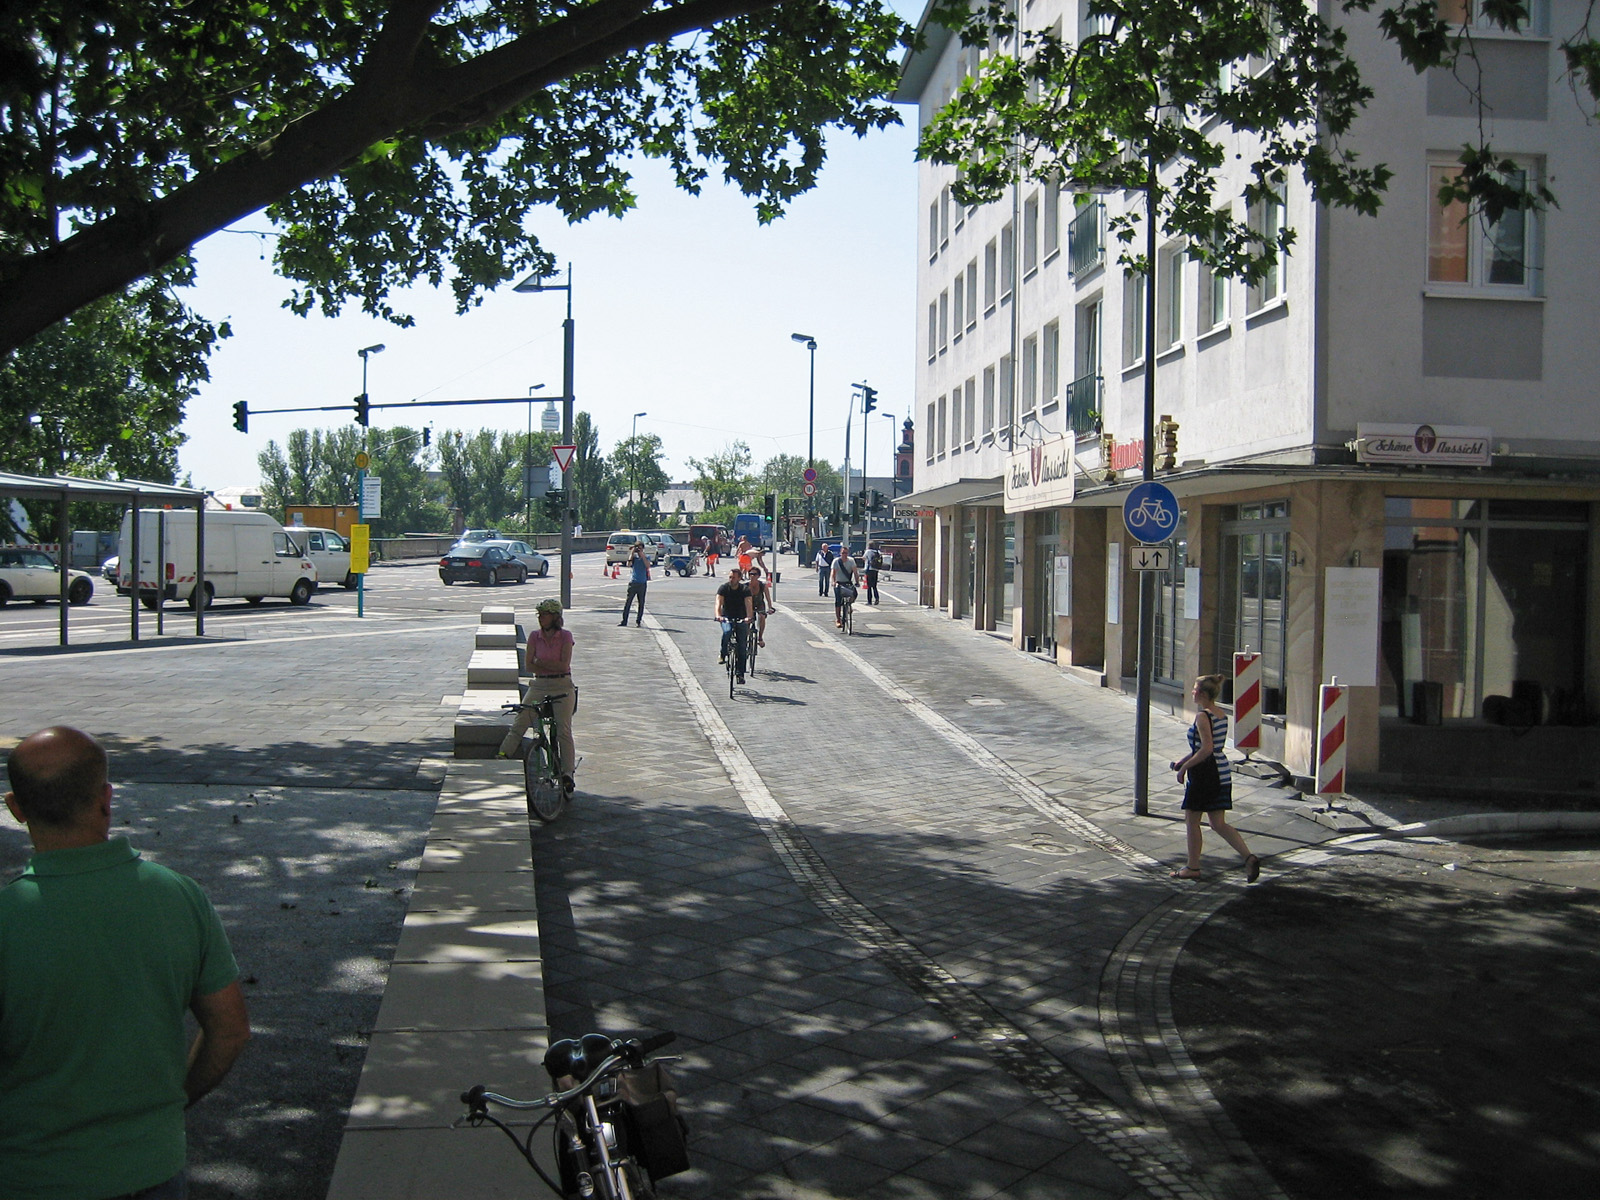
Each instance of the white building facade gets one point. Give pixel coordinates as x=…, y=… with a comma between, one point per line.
x=1387, y=454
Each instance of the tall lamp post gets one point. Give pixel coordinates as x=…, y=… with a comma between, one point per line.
x=527, y=460
x=365, y=352
x=536, y=283
x=633, y=465
x=810, y=343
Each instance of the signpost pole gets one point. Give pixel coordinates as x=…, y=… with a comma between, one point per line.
x=1147, y=613
x=361, y=517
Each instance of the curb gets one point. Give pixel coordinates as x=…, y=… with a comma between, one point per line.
x=1501, y=822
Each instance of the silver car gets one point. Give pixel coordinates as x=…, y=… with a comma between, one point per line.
x=525, y=554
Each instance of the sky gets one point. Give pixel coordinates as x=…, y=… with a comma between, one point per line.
x=683, y=311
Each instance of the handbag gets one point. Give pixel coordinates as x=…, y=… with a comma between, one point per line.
x=1204, y=783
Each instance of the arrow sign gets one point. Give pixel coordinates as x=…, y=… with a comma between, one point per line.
x=563, y=455
x=1150, y=558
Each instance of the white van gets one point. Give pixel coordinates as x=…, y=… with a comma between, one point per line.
x=327, y=550
x=248, y=554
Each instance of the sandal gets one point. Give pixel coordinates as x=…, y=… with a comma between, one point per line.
x=1252, y=869
x=1186, y=873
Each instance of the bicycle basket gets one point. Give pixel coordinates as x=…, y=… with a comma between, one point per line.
x=654, y=1130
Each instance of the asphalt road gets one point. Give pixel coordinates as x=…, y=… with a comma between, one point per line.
x=290, y=764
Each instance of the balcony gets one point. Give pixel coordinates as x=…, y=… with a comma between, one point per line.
x=1086, y=239
x=1083, y=405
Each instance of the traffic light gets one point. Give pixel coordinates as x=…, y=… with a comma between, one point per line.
x=855, y=507
x=241, y=416
x=772, y=505
x=427, y=436
x=555, y=503
x=869, y=398
x=875, y=501
x=835, y=510
x=361, y=409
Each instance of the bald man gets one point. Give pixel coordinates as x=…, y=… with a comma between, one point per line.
x=101, y=954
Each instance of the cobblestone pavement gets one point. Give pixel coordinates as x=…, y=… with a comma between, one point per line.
x=890, y=896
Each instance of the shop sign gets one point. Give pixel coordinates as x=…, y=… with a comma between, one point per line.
x=1128, y=456
x=1040, y=476
x=1437, y=445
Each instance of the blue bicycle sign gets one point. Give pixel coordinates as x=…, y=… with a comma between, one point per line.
x=1151, y=512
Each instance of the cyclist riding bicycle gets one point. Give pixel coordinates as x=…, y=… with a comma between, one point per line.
x=734, y=609
x=549, y=662
x=844, y=583
x=761, y=601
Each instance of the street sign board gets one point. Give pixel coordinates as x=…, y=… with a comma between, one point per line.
x=1151, y=512
x=371, y=497
x=563, y=455
x=809, y=487
x=810, y=476
x=1150, y=558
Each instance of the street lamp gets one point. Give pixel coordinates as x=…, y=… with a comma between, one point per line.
x=810, y=343
x=527, y=460
x=633, y=465
x=536, y=283
x=365, y=352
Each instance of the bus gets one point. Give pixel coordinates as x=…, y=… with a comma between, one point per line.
x=754, y=526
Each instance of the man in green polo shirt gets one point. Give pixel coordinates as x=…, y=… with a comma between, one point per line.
x=101, y=954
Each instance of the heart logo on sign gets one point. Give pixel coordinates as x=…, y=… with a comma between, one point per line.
x=1425, y=439
x=1036, y=463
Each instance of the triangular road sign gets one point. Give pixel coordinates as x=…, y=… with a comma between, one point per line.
x=563, y=455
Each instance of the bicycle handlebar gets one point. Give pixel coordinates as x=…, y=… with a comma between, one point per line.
x=628, y=1052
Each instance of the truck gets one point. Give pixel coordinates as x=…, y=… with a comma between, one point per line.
x=248, y=555
x=754, y=526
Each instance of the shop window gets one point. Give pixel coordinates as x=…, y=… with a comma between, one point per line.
x=1170, y=642
x=1253, y=595
x=1483, y=609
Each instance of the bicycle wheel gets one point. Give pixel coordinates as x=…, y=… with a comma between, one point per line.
x=733, y=663
x=750, y=664
x=547, y=799
x=637, y=1182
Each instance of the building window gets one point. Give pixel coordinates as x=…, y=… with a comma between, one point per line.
x=1052, y=220
x=1211, y=299
x=970, y=403
x=1007, y=383
x=1484, y=605
x=1086, y=238
x=1473, y=15
x=1030, y=235
x=1265, y=219
x=1008, y=261
x=944, y=217
x=1169, y=298
x=988, y=403
x=1467, y=253
x=1030, y=374
x=933, y=330
x=1050, y=366
x=940, y=435
x=1132, y=318
x=933, y=231
x=1083, y=393
x=991, y=275
x=1253, y=597
x=933, y=423
x=972, y=295
x=944, y=321
x=957, y=306
x=1170, y=640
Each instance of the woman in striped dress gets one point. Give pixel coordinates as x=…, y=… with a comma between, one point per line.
x=1208, y=780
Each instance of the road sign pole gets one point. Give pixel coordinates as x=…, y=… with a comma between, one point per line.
x=361, y=515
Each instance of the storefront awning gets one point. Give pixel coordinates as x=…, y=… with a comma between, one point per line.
x=962, y=491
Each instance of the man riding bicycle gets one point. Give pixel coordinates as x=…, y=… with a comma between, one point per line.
x=844, y=584
x=734, y=609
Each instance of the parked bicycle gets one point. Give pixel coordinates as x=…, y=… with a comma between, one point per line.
x=541, y=761
x=617, y=1131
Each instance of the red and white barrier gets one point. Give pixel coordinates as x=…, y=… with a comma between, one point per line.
x=1247, y=701
x=1333, y=711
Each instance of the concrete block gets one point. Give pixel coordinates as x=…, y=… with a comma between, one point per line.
x=415, y=1080
x=495, y=637
x=467, y=936
x=476, y=995
x=425, y=1164
x=498, y=614
x=492, y=668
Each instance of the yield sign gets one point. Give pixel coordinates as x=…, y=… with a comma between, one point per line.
x=563, y=455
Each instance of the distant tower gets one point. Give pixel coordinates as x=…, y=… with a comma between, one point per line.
x=902, y=459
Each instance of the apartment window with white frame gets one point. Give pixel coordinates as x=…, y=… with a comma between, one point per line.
x=933, y=330
x=958, y=297
x=944, y=217
x=991, y=275
x=1132, y=318
x=988, y=403
x=933, y=231
x=1169, y=296
x=933, y=410
x=1469, y=255
x=1211, y=299
x=1472, y=15
x=972, y=295
x=944, y=321
x=1052, y=220
x=1265, y=219
x=970, y=403
x=1030, y=236
x=942, y=416
x=1008, y=261
x=1091, y=24
x=1050, y=366
x=1003, y=416
x=1030, y=375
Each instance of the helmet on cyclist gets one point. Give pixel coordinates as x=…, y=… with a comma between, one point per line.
x=551, y=605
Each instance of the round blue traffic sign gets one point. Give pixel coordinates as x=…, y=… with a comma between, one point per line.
x=1151, y=512
x=810, y=475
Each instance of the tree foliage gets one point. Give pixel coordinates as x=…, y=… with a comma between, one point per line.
x=724, y=477
x=636, y=462
x=318, y=467
x=785, y=475
x=592, y=478
x=396, y=140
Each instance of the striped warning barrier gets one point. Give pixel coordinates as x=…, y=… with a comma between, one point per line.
x=1247, y=701
x=1330, y=739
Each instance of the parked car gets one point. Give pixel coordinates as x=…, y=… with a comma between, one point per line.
x=698, y=532
x=34, y=575
x=489, y=565
x=476, y=537
x=658, y=546
x=525, y=554
x=108, y=569
x=328, y=550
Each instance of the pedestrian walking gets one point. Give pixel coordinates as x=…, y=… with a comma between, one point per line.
x=871, y=563
x=1208, y=782
x=824, y=564
x=548, y=660
x=101, y=956
x=713, y=552
x=639, y=572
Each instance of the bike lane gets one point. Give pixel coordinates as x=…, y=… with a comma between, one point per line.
x=903, y=864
